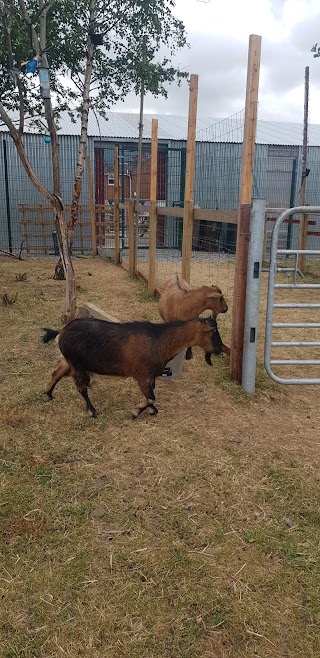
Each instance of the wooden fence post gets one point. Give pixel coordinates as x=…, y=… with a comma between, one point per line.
x=116, y=206
x=131, y=236
x=91, y=207
x=188, y=193
x=153, y=209
x=247, y=165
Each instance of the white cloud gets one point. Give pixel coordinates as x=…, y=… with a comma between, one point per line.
x=219, y=32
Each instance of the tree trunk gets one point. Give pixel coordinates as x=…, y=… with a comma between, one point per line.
x=39, y=46
x=65, y=254
x=84, y=125
x=57, y=205
x=59, y=274
x=67, y=266
x=59, y=270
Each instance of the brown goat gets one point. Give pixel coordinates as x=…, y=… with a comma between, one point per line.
x=137, y=349
x=180, y=302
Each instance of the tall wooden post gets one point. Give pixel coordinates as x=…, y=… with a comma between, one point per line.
x=91, y=207
x=116, y=206
x=153, y=209
x=131, y=235
x=243, y=231
x=188, y=193
x=304, y=221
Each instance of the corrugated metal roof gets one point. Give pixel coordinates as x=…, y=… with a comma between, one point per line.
x=124, y=125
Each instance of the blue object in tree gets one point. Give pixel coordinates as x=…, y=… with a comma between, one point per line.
x=47, y=139
x=31, y=66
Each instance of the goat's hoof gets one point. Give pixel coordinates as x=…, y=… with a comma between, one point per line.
x=49, y=395
x=134, y=415
x=153, y=411
x=92, y=413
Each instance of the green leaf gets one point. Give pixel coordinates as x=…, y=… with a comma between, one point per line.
x=116, y=66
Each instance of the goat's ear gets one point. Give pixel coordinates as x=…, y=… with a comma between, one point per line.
x=216, y=295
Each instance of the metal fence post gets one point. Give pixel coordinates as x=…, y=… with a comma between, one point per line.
x=5, y=162
x=292, y=198
x=253, y=295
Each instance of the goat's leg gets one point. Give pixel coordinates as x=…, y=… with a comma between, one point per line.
x=189, y=354
x=63, y=370
x=82, y=381
x=147, y=388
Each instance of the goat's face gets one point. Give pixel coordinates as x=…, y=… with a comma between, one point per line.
x=216, y=301
x=212, y=343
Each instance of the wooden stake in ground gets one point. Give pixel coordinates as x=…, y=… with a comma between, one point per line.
x=241, y=261
x=188, y=193
x=303, y=228
x=153, y=209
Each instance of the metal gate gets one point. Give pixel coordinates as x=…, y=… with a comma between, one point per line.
x=271, y=305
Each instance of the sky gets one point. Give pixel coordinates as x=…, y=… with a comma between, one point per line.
x=218, y=34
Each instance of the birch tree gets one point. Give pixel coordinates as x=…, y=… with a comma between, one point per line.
x=95, y=51
x=8, y=13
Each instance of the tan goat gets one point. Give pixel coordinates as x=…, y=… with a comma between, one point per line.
x=180, y=302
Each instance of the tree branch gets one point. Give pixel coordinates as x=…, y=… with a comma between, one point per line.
x=45, y=8
x=43, y=26
x=78, y=84
x=7, y=121
x=27, y=19
x=84, y=124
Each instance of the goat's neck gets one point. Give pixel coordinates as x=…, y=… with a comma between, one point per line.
x=179, y=340
x=196, y=300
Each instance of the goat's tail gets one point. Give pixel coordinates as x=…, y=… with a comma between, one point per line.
x=49, y=334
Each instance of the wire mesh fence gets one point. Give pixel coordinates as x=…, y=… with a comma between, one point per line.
x=277, y=178
x=16, y=189
x=170, y=189
x=216, y=187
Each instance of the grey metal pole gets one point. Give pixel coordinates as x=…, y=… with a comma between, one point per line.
x=255, y=254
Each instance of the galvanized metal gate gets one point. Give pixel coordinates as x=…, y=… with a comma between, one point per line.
x=270, y=324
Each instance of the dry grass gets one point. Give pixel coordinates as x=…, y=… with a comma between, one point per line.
x=191, y=535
